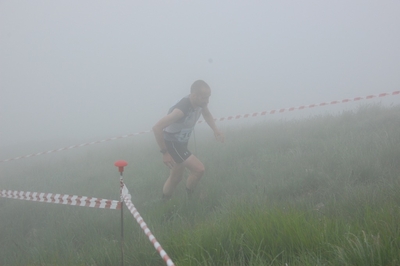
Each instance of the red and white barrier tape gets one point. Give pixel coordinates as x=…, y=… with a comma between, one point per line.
x=282, y=110
x=74, y=146
x=302, y=107
x=127, y=199
x=62, y=199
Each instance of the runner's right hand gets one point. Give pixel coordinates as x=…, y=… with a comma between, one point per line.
x=168, y=160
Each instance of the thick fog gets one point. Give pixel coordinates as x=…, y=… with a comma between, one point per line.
x=88, y=70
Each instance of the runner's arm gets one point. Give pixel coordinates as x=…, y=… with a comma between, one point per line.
x=210, y=121
x=167, y=120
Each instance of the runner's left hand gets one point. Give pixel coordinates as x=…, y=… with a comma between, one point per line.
x=219, y=136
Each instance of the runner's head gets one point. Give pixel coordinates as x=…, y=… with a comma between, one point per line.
x=200, y=93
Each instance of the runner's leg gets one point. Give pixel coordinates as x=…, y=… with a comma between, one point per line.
x=196, y=168
x=176, y=174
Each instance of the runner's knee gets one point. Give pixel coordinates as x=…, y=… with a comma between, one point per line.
x=199, y=170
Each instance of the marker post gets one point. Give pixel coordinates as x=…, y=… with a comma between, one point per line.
x=121, y=164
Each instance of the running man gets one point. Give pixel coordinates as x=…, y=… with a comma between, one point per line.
x=173, y=131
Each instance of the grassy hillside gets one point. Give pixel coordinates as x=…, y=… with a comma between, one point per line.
x=317, y=191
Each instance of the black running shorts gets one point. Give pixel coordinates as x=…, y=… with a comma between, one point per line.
x=178, y=150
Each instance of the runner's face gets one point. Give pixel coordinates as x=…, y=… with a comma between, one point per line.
x=202, y=97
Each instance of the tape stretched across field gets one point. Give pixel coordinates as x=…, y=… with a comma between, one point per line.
x=282, y=110
x=62, y=199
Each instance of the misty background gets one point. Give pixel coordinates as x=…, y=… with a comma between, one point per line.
x=77, y=71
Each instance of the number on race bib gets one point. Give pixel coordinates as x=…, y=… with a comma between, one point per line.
x=184, y=135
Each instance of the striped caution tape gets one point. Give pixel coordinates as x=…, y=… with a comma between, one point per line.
x=74, y=146
x=228, y=118
x=302, y=107
x=62, y=199
x=127, y=199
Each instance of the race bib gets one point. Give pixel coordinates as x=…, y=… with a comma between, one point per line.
x=184, y=135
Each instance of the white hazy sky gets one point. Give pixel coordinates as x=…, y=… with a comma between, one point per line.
x=94, y=69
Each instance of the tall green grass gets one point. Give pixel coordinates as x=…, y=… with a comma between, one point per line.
x=317, y=191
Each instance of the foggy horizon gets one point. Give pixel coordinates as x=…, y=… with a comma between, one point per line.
x=81, y=69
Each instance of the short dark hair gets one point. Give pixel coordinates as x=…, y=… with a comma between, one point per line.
x=197, y=85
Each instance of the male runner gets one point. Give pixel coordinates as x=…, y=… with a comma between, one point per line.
x=173, y=131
